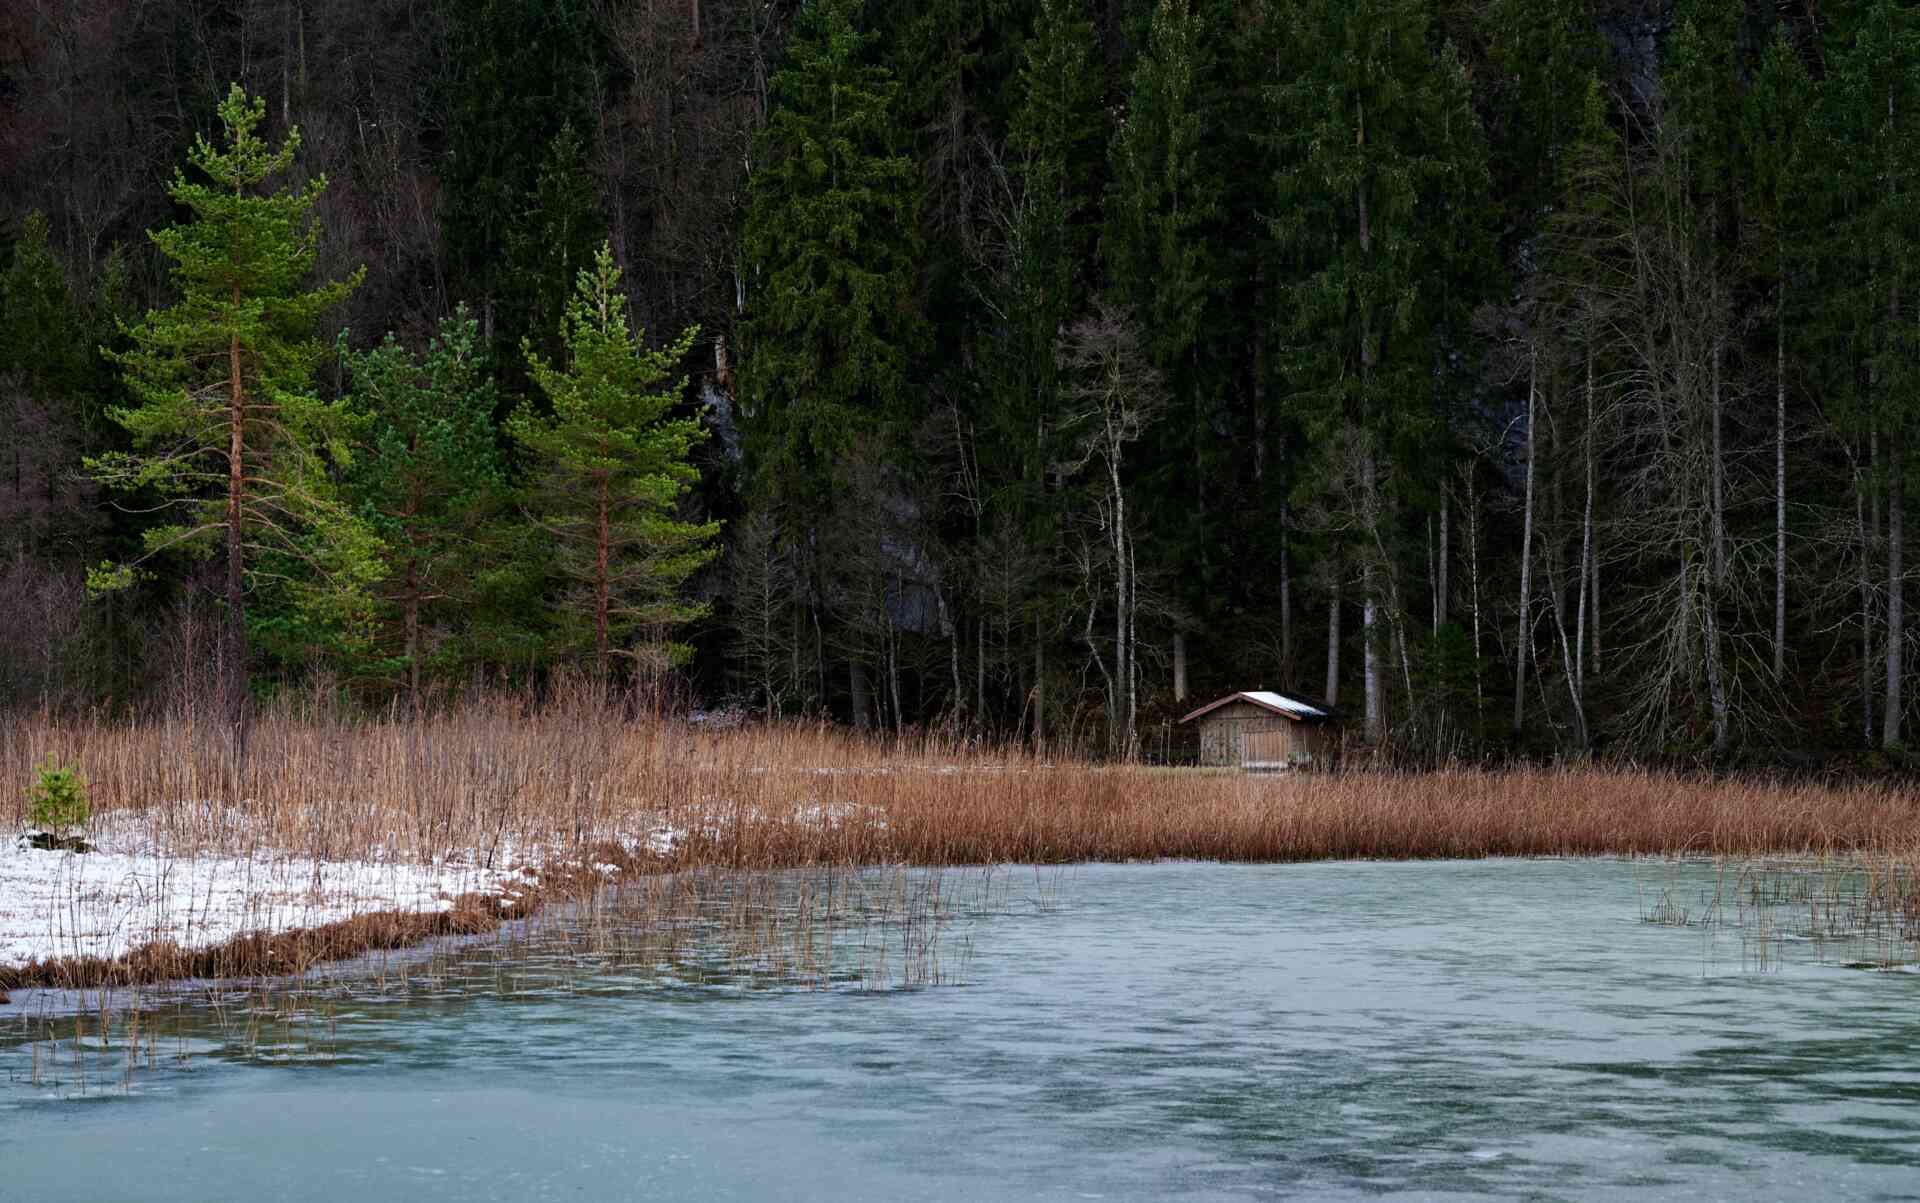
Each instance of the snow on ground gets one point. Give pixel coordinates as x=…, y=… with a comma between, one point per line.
x=127, y=893
x=132, y=890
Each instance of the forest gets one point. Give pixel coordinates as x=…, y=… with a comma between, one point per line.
x=1524, y=378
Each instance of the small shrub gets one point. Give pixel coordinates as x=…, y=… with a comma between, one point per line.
x=57, y=801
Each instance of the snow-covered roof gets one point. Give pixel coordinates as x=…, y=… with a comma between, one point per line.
x=1266, y=699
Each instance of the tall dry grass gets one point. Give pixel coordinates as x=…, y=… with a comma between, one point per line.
x=501, y=778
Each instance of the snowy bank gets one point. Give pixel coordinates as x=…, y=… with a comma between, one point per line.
x=128, y=893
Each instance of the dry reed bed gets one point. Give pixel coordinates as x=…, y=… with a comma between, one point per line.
x=494, y=782
x=584, y=793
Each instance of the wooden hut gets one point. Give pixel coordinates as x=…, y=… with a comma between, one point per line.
x=1260, y=729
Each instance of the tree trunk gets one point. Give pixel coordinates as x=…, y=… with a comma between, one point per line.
x=1179, y=667
x=602, y=579
x=1433, y=575
x=1333, y=646
x=234, y=675
x=1716, y=680
x=1473, y=571
x=1863, y=484
x=893, y=681
x=1523, y=645
x=1122, y=615
x=1440, y=604
x=1556, y=592
x=1593, y=665
x=1893, y=711
x=1039, y=689
x=1370, y=659
x=1369, y=622
x=1286, y=604
x=1780, y=484
x=951, y=630
x=980, y=671
x=413, y=633
x=857, y=684
x=1586, y=549
x=1719, y=508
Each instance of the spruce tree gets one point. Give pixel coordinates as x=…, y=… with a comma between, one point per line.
x=428, y=474
x=227, y=430
x=609, y=469
x=1380, y=158
x=832, y=239
x=1041, y=283
x=1871, y=126
x=519, y=109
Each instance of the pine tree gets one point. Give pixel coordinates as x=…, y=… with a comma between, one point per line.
x=610, y=467
x=429, y=472
x=832, y=238
x=227, y=430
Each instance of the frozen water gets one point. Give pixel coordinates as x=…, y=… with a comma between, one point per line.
x=1176, y=1030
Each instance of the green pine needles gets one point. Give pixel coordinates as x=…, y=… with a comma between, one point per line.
x=57, y=800
x=609, y=468
x=229, y=438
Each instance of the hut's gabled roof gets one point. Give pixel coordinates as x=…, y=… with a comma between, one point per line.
x=1266, y=699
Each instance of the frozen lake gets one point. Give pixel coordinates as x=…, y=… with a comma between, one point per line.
x=1120, y=1032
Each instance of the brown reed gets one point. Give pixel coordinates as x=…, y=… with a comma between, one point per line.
x=583, y=792
x=495, y=780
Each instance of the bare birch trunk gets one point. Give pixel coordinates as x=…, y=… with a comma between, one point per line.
x=1433, y=575
x=1441, y=599
x=1179, y=667
x=1523, y=645
x=1594, y=664
x=1556, y=593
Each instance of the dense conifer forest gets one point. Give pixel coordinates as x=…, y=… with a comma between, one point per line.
x=1522, y=377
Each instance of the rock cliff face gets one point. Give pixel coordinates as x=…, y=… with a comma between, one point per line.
x=1635, y=30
